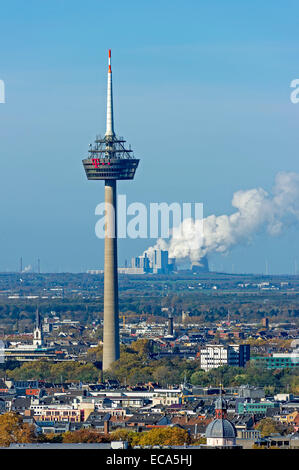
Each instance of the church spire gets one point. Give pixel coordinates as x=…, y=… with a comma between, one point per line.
x=37, y=319
x=38, y=330
x=220, y=405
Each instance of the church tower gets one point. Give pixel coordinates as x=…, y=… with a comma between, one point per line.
x=220, y=407
x=221, y=432
x=38, y=331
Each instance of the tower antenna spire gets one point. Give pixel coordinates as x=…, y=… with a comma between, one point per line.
x=109, y=122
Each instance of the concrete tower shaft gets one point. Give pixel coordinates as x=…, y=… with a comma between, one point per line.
x=111, y=318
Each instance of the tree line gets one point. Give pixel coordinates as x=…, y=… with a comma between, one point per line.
x=136, y=366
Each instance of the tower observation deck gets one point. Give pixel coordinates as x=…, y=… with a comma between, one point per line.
x=110, y=160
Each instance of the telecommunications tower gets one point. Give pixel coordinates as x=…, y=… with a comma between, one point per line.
x=110, y=160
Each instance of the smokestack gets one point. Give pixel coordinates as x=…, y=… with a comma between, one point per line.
x=106, y=426
x=170, y=325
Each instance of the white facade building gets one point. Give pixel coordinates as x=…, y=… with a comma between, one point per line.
x=217, y=355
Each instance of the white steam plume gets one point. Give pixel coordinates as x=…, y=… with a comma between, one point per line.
x=257, y=211
x=27, y=269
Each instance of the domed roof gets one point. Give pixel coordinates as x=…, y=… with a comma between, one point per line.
x=221, y=428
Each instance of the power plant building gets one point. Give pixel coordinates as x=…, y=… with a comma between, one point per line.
x=159, y=263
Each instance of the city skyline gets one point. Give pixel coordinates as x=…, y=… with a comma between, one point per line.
x=234, y=103
x=162, y=317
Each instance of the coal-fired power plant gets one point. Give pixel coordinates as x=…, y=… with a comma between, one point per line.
x=110, y=160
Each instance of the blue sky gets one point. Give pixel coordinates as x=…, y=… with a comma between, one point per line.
x=202, y=93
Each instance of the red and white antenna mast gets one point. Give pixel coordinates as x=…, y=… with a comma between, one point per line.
x=109, y=122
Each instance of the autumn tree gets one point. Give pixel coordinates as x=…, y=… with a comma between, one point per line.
x=166, y=375
x=142, y=346
x=169, y=436
x=13, y=430
x=95, y=354
x=50, y=437
x=84, y=435
x=268, y=426
x=198, y=441
x=123, y=434
x=70, y=370
x=199, y=378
